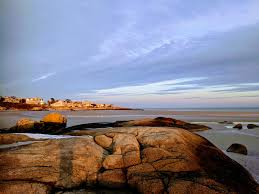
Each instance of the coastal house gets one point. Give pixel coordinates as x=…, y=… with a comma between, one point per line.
x=35, y=101
x=11, y=99
x=86, y=104
x=109, y=105
x=77, y=104
x=101, y=105
x=59, y=103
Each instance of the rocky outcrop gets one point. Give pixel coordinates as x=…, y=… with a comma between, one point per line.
x=237, y=148
x=238, y=126
x=162, y=122
x=148, y=159
x=55, y=123
x=252, y=126
x=52, y=123
x=149, y=122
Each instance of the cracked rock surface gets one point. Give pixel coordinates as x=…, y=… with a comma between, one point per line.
x=131, y=159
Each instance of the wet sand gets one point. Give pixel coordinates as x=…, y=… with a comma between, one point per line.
x=223, y=136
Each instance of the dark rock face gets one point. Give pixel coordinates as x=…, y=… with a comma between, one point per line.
x=148, y=159
x=37, y=127
x=251, y=126
x=237, y=148
x=238, y=126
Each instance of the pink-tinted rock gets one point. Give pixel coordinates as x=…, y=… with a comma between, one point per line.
x=113, y=161
x=103, y=141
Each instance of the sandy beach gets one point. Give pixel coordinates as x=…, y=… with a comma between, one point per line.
x=221, y=135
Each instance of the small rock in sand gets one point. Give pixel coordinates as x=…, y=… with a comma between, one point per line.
x=238, y=126
x=237, y=148
x=251, y=126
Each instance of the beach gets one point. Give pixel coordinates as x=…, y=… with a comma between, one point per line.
x=9, y=118
x=221, y=135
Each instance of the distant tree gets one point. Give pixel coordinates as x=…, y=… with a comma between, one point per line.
x=23, y=101
x=1, y=98
x=13, y=97
x=68, y=100
x=51, y=101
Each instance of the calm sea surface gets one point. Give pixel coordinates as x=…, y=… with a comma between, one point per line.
x=9, y=118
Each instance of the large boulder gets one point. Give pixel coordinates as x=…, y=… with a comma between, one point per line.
x=237, y=148
x=25, y=125
x=63, y=163
x=251, y=126
x=238, y=126
x=148, y=159
x=53, y=123
x=56, y=118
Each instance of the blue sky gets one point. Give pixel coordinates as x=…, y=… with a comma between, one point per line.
x=149, y=53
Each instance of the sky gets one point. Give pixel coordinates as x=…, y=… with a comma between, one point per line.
x=149, y=53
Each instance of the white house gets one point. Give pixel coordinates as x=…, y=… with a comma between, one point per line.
x=36, y=101
x=59, y=103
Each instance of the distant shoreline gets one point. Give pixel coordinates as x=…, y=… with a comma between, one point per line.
x=38, y=104
x=7, y=106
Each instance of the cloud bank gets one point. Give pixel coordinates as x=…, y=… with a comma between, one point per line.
x=168, y=53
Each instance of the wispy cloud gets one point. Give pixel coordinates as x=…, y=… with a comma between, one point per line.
x=185, y=88
x=138, y=57
x=43, y=77
x=150, y=88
